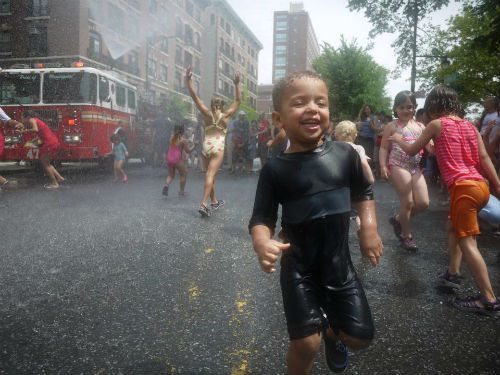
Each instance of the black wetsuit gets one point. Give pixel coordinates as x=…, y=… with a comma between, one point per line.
x=315, y=190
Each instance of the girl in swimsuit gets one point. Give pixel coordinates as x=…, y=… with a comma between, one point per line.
x=215, y=123
x=174, y=159
x=402, y=169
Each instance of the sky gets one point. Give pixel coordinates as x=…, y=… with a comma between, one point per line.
x=330, y=19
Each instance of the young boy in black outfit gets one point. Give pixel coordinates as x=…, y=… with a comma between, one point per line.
x=315, y=183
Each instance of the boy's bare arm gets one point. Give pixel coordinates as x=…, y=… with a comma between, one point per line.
x=267, y=249
x=369, y=240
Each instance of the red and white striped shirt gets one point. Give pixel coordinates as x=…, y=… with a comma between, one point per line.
x=457, y=151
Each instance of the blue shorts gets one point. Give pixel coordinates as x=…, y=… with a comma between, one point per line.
x=491, y=212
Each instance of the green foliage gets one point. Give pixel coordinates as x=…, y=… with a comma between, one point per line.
x=176, y=108
x=396, y=16
x=353, y=79
x=471, y=42
x=251, y=113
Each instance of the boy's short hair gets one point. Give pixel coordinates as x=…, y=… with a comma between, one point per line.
x=115, y=137
x=346, y=131
x=280, y=86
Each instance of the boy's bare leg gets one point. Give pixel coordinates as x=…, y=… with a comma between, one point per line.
x=301, y=353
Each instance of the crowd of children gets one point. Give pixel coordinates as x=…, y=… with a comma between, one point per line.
x=316, y=180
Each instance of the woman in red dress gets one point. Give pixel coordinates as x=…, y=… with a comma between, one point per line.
x=48, y=148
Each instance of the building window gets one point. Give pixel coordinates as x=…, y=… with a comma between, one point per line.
x=151, y=67
x=197, y=65
x=188, y=35
x=94, y=46
x=280, y=50
x=280, y=37
x=5, y=43
x=280, y=61
x=281, y=25
x=178, y=55
x=197, y=43
x=38, y=41
x=4, y=6
x=279, y=73
x=39, y=8
x=178, y=81
x=188, y=59
x=163, y=44
x=163, y=73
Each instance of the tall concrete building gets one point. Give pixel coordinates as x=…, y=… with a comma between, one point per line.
x=149, y=43
x=229, y=47
x=294, y=43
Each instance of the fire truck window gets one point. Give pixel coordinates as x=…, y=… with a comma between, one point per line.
x=103, y=89
x=121, y=99
x=131, y=99
x=19, y=88
x=77, y=87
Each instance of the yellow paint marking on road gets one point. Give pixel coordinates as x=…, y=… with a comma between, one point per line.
x=242, y=367
x=240, y=305
x=194, y=292
x=209, y=250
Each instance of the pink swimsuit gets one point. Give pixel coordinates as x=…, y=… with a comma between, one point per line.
x=174, y=154
x=410, y=132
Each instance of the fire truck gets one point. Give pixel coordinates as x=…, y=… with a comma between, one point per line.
x=83, y=106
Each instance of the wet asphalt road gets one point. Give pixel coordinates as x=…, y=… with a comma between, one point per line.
x=102, y=278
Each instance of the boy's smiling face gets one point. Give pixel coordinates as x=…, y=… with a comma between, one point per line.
x=303, y=113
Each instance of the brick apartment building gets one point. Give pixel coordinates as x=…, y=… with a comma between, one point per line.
x=149, y=43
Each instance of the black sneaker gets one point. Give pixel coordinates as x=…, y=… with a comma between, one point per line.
x=336, y=354
x=215, y=206
x=451, y=280
x=165, y=190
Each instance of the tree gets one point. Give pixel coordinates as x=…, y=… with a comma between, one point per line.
x=175, y=108
x=403, y=17
x=353, y=79
x=472, y=47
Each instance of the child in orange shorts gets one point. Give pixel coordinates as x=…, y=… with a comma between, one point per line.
x=462, y=160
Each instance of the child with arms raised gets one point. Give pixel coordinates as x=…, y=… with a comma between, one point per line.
x=315, y=181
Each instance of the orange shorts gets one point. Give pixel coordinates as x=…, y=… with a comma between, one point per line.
x=467, y=198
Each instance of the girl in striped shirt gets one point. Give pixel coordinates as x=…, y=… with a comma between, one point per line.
x=463, y=162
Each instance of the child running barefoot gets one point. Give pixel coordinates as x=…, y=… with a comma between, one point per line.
x=462, y=160
x=120, y=153
x=315, y=182
x=404, y=170
x=177, y=145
